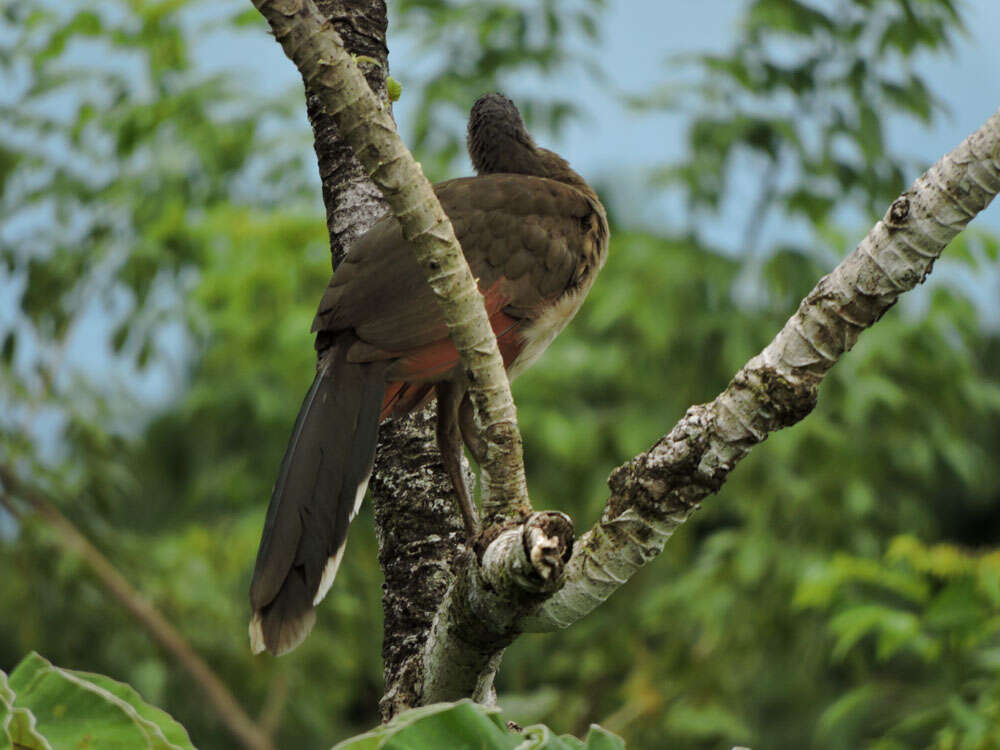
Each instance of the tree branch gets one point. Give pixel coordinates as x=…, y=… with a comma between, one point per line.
x=365, y=124
x=657, y=491
x=416, y=520
x=479, y=617
x=419, y=534
x=353, y=203
x=222, y=702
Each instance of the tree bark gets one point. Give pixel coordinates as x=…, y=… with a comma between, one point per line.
x=352, y=201
x=419, y=534
x=480, y=613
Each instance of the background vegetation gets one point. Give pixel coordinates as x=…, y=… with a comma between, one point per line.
x=162, y=248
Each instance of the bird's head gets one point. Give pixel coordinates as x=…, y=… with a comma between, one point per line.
x=499, y=142
x=497, y=138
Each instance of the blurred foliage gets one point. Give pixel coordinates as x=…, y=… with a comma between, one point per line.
x=805, y=93
x=921, y=628
x=706, y=646
x=161, y=252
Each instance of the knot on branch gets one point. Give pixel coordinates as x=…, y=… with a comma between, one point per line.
x=548, y=543
x=779, y=400
x=895, y=217
x=670, y=477
x=529, y=557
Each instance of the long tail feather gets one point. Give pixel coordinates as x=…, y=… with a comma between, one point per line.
x=320, y=486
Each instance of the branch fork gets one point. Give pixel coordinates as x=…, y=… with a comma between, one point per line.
x=519, y=569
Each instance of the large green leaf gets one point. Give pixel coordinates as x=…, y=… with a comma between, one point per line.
x=17, y=725
x=466, y=724
x=48, y=708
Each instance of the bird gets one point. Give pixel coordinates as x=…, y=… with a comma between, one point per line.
x=535, y=235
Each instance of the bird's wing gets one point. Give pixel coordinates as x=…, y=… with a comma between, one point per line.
x=525, y=238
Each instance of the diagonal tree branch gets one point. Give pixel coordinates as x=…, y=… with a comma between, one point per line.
x=221, y=700
x=657, y=491
x=365, y=124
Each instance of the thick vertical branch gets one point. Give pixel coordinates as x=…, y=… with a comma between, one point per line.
x=416, y=520
x=419, y=533
x=352, y=201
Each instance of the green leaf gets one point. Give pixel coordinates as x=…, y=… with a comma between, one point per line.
x=869, y=133
x=707, y=720
x=75, y=708
x=9, y=348
x=849, y=709
x=853, y=624
x=248, y=17
x=912, y=97
x=540, y=737
x=601, y=739
x=788, y=16
x=439, y=725
x=18, y=725
x=966, y=717
x=957, y=607
x=394, y=88
x=9, y=161
x=469, y=724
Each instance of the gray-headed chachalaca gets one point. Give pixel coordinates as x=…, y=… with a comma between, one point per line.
x=535, y=235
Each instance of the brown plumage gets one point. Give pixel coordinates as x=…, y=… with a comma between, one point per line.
x=534, y=235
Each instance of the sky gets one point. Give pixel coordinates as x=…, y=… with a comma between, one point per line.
x=613, y=145
x=640, y=36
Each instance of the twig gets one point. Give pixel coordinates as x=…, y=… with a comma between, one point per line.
x=269, y=718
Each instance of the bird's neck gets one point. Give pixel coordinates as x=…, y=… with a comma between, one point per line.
x=527, y=158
